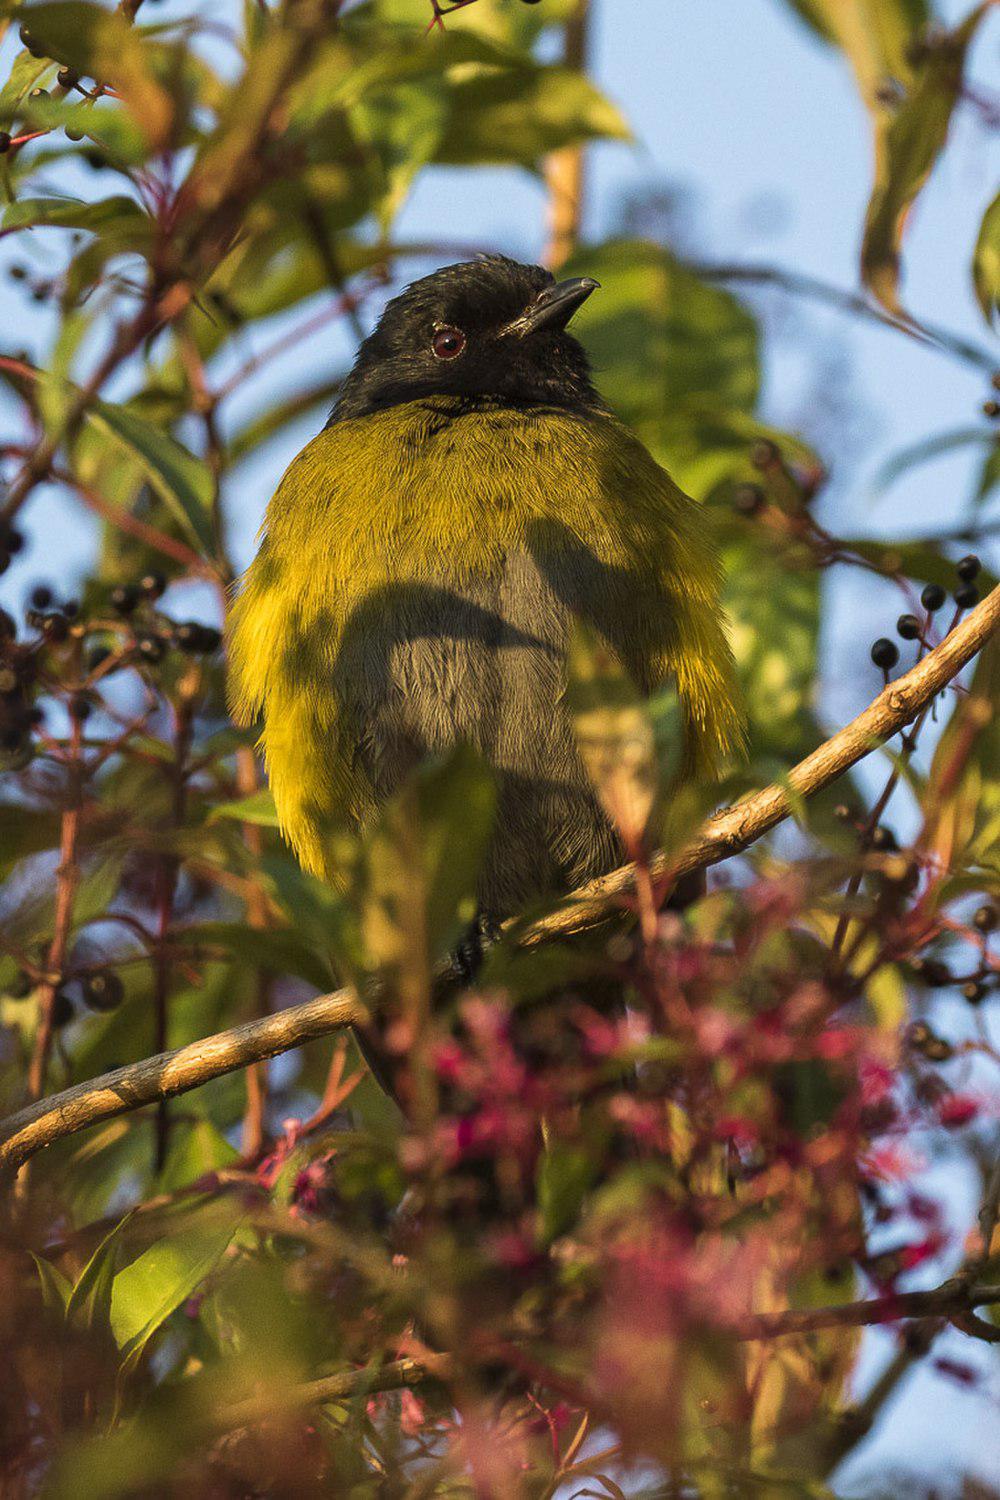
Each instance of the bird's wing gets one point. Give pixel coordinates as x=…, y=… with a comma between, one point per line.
x=634, y=555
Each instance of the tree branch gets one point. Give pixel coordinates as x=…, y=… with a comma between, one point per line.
x=170, y=1073
x=727, y=833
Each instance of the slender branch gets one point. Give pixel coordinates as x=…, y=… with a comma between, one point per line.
x=565, y=169
x=950, y=1300
x=727, y=833
x=67, y=881
x=851, y=302
x=346, y=1385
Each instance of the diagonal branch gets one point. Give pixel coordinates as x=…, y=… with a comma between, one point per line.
x=727, y=833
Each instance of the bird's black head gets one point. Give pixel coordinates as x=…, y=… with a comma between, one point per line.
x=489, y=330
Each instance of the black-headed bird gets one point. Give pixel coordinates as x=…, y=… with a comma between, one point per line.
x=424, y=560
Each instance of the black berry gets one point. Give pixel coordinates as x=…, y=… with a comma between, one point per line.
x=124, y=597
x=80, y=708
x=195, y=638
x=985, y=918
x=908, y=626
x=967, y=597
x=932, y=597
x=968, y=568
x=103, y=990
x=150, y=647
x=41, y=596
x=67, y=79
x=211, y=639
x=933, y=972
x=152, y=585
x=55, y=628
x=62, y=1010
x=883, y=838
x=885, y=653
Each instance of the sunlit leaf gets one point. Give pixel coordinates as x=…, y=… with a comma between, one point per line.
x=614, y=732
x=258, y=808
x=908, y=150
x=876, y=35
x=182, y=481
x=89, y=1303
x=659, y=336
x=148, y=1290
x=75, y=213
x=500, y=117
x=986, y=262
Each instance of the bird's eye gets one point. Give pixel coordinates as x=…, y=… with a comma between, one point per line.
x=448, y=343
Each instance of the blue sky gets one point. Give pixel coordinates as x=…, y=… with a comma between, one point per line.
x=737, y=102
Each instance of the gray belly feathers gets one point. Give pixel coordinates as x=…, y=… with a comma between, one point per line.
x=423, y=666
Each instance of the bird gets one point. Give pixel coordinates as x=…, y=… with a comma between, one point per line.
x=426, y=559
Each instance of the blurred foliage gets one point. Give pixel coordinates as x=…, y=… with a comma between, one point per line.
x=588, y=1198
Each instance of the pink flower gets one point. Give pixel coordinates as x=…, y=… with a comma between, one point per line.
x=411, y=1414
x=956, y=1110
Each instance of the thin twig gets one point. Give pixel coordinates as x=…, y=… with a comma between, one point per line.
x=67, y=881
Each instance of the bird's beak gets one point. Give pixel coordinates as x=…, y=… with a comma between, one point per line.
x=553, y=307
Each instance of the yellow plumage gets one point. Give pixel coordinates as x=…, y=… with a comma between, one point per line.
x=435, y=555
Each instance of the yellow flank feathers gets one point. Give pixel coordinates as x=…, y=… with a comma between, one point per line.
x=416, y=583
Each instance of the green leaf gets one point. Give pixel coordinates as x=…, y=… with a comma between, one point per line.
x=26, y=73
x=875, y=35
x=56, y=1288
x=89, y=1303
x=153, y=1286
x=519, y=117
x=564, y=1175
x=986, y=263
x=989, y=476
x=775, y=613
x=74, y=213
x=183, y=482
x=277, y=950
x=258, y=809
x=927, y=449
x=196, y=1149
x=660, y=338
x=406, y=126
x=909, y=146
x=420, y=864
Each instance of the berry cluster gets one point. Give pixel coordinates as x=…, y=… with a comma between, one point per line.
x=909, y=627
x=136, y=634
x=100, y=990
